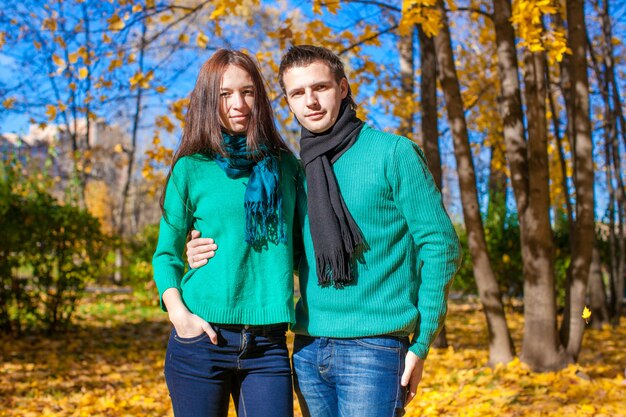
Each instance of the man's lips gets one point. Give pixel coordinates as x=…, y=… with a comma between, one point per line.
x=316, y=115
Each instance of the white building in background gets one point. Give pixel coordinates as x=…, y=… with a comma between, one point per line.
x=108, y=166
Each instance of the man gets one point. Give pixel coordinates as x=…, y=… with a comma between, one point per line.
x=380, y=251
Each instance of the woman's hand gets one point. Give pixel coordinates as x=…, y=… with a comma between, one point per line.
x=189, y=325
x=186, y=323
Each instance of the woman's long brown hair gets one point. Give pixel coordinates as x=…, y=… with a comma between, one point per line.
x=203, y=132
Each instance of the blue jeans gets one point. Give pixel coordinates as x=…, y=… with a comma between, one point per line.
x=350, y=377
x=251, y=364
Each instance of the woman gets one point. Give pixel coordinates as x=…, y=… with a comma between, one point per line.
x=234, y=179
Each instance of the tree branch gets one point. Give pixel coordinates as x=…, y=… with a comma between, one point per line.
x=362, y=41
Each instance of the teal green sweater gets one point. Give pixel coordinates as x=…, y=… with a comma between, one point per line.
x=241, y=285
x=402, y=285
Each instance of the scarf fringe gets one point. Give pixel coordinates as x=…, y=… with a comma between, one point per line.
x=333, y=268
x=260, y=217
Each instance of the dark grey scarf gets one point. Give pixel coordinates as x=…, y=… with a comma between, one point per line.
x=336, y=237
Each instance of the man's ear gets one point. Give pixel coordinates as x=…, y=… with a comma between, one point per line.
x=344, y=87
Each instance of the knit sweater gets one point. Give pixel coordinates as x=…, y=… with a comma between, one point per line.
x=242, y=285
x=402, y=283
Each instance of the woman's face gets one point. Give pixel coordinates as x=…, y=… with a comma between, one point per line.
x=236, y=99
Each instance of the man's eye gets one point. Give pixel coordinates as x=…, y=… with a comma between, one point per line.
x=224, y=94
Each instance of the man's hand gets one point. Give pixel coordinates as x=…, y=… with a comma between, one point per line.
x=200, y=250
x=413, y=368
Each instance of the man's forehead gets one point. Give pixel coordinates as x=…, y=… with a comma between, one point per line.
x=312, y=73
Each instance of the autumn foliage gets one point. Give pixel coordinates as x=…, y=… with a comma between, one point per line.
x=111, y=364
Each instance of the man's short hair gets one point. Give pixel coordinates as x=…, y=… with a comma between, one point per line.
x=305, y=55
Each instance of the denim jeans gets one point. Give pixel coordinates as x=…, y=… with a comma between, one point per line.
x=350, y=377
x=251, y=364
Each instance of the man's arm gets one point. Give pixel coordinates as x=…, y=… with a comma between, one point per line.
x=419, y=200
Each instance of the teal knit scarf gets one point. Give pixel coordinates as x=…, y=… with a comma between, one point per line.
x=262, y=199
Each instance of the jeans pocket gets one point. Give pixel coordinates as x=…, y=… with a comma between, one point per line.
x=189, y=340
x=385, y=343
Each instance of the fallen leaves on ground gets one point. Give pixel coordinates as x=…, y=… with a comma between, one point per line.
x=111, y=364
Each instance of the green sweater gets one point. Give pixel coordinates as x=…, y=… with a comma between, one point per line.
x=241, y=285
x=402, y=285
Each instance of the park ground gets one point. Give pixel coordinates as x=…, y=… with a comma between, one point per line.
x=110, y=364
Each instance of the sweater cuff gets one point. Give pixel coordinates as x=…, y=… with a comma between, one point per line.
x=420, y=349
x=165, y=284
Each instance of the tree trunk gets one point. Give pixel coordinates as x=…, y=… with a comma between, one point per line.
x=620, y=194
x=428, y=97
x=572, y=327
x=511, y=105
x=528, y=165
x=131, y=160
x=562, y=160
x=597, y=293
x=496, y=211
x=610, y=138
x=500, y=344
x=407, y=82
x=430, y=130
x=541, y=348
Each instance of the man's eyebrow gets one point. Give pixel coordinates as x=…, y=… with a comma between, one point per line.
x=326, y=82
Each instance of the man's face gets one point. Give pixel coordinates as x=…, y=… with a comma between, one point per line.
x=314, y=96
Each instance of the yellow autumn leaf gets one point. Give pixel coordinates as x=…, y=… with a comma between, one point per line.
x=115, y=63
x=51, y=112
x=83, y=72
x=9, y=103
x=586, y=314
x=115, y=23
x=137, y=8
x=220, y=10
x=118, y=148
x=73, y=57
x=165, y=18
x=184, y=38
x=58, y=61
x=59, y=40
x=202, y=40
x=50, y=24
x=82, y=52
x=3, y=40
x=333, y=6
x=317, y=7
x=160, y=89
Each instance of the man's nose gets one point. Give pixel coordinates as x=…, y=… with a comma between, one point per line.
x=311, y=99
